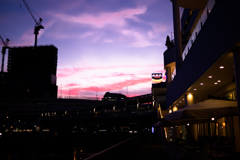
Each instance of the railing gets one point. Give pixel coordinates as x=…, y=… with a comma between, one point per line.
x=118, y=151
x=206, y=12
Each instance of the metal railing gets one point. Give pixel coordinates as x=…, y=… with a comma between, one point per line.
x=206, y=12
x=116, y=151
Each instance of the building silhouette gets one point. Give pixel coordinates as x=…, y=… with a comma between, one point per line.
x=31, y=73
x=114, y=97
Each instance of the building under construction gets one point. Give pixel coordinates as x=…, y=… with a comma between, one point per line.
x=31, y=73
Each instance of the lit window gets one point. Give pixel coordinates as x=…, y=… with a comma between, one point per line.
x=195, y=89
x=201, y=84
x=221, y=67
x=209, y=76
x=216, y=83
x=219, y=81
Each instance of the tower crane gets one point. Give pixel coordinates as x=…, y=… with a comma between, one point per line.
x=5, y=46
x=38, y=24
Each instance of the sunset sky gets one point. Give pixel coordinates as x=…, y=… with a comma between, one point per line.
x=103, y=45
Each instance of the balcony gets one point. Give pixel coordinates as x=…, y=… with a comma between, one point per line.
x=206, y=12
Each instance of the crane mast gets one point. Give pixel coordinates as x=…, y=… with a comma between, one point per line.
x=5, y=46
x=38, y=24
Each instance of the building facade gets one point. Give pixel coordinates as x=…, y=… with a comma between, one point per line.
x=203, y=68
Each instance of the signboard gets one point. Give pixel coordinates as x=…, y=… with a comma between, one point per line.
x=157, y=78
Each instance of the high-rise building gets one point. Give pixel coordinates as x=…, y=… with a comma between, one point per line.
x=31, y=73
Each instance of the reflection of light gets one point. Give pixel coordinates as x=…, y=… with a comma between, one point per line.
x=223, y=124
x=190, y=99
x=190, y=96
x=175, y=108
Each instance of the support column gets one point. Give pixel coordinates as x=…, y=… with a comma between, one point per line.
x=192, y=135
x=177, y=34
x=236, y=60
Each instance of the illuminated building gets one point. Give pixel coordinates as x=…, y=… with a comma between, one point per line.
x=31, y=73
x=203, y=69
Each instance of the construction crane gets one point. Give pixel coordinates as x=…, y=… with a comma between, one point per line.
x=38, y=24
x=5, y=46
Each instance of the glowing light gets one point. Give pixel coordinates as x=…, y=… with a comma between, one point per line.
x=201, y=84
x=212, y=118
x=190, y=96
x=190, y=99
x=215, y=83
x=170, y=111
x=223, y=124
x=209, y=76
x=175, y=108
x=152, y=129
x=221, y=67
x=219, y=81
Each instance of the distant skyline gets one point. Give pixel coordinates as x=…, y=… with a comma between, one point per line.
x=107, y=45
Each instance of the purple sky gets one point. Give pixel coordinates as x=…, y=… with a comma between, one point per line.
x=103, y=45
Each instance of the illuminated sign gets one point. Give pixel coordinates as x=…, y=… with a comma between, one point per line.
x=157, y=78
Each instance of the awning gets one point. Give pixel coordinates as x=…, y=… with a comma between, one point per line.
x=211, y=108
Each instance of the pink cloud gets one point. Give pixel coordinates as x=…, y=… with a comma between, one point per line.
x=112, y=81
x=102, y=19
x=66, y=72
x=75, y=89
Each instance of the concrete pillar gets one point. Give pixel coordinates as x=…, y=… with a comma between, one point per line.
x=236, y=133
x=169, y=76
x=177, y=34
x=236, y=60
x=192, y=135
